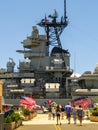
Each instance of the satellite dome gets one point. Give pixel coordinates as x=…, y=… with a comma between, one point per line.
x=59, y=50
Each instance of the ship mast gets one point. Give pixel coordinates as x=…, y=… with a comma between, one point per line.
x=65, y=17
x=54, y=28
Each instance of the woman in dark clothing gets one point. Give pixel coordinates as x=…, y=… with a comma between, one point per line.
x=62, y=112
x=80, y=114
x=58, y=113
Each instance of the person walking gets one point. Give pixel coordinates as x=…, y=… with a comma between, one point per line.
x=53, y=112
x=68, y=112
x=58, y=114
x=62, y=112
x=49, y=112
x=74, y=113
x=80, y=114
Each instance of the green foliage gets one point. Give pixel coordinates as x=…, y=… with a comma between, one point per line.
x=94, y=112
x=8, y=119
x=26, y=112
x=14, y=117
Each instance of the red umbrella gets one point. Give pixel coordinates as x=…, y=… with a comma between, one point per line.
x=49, y=102
x=36, y=107
x=30, y=100
x=83, y=102
x=24, y=102
x=28, y=103
x=86, y=103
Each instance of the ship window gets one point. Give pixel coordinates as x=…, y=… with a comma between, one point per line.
x=27, y=80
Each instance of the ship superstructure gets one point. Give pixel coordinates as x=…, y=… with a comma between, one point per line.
x=43, y=73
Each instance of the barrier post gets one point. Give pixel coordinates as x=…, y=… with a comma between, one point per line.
x=1, y=114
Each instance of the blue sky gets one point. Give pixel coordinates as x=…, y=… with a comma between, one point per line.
x=80, y=37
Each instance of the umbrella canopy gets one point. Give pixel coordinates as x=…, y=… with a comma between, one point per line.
x=84, y=102
x=29, y=103
x=49, y=102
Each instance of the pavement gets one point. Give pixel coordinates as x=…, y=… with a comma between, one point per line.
x=43, y=119
x=41, y=122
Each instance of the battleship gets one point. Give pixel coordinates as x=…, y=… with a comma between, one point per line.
x=45, y=72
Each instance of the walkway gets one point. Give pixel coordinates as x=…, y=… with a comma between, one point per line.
x=41, y=122
x=43, y=119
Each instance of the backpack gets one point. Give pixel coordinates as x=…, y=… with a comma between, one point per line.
x=80, y=113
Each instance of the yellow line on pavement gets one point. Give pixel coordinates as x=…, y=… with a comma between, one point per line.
x=57, y=127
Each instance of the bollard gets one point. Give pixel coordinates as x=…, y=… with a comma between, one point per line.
x=1, y=121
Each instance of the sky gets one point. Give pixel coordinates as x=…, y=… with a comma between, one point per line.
x=80, y=37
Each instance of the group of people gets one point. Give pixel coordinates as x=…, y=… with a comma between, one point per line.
x=69, y=111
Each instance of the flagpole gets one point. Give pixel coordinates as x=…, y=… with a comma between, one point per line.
x=1, y=84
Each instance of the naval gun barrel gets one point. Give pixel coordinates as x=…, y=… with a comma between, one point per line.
x=23, y=51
